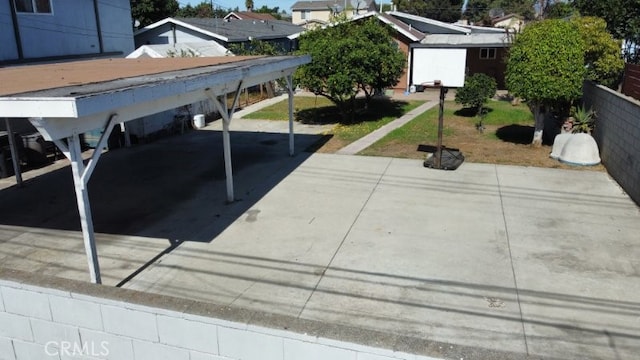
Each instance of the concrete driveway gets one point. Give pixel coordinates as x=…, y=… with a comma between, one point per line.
x=503, y=260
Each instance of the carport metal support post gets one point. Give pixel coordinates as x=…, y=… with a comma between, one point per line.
x=226, y=114
x=290, y=91
x=81, y=176
x=438, y=160
x=14, y=153
x=84, y=208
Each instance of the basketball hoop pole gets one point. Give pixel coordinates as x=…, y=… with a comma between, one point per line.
x=438, y=160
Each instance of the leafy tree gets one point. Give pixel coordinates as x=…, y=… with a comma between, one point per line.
x=442, y=10
x=602, y=57
x=546, y=68
x=623, y=21
x=150, y=11
x=478, y=89
x=559, y=10
x=202, y=10
x=248, y=4
x=524, y=8
x=477, y=11
x=255, y=47
x=275, y=11
x=350, y=57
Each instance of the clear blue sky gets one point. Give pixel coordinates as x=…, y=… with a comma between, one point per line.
x=283, y=5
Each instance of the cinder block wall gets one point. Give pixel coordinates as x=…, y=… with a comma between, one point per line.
x=617, y=133
x=48, y=318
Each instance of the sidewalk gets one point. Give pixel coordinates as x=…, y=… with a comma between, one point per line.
x=431, y=98
x=368, y=140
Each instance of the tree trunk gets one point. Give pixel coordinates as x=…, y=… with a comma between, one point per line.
x=539, y=115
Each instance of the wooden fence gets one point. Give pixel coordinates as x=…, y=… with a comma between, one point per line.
x=631, y=81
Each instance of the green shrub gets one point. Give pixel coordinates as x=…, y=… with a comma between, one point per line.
x=478, y=89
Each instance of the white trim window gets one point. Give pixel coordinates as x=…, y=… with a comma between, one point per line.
x=305, y=14
x=487, y=53
x=33, y=6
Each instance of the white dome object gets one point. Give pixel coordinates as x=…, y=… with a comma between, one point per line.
x=580, y=149
x=558, y=143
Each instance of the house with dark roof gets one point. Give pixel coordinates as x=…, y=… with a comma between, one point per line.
x=249, y=15
x=303, y=12
x=485, y=48
x=510, y=21
x=223, y=31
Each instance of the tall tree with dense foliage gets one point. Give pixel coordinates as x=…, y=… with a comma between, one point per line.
x=479, y=10
x=248, y=4
x=150, y=11
x=546, y=68
x=560, y=10
x=602, y=56
x=349, y=57
x=623, y=21
x=442, y=10
x=202, y=10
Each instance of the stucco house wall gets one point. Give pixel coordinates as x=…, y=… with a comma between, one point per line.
x=495, y=68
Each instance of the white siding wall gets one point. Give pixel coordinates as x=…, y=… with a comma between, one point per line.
x=116, y=25
x=71, y=29
x=165, y=35
x=8, y=49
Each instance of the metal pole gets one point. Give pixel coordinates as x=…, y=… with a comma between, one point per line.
x=226, y=143
x=438, y=159
x=220, y=103
x=290, y=91
x=14, y=153
x=84, y=208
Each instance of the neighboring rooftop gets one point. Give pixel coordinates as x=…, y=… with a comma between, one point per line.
x=249, y=15
x=323, y=5
x=196, y=49
x=232, y=30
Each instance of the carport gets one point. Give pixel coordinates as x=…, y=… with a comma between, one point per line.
x=65, y=100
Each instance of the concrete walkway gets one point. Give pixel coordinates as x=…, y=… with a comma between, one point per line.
x=368, y=140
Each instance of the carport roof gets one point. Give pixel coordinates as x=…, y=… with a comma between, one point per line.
x=68, y=99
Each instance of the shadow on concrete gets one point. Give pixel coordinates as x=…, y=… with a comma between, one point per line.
x=172, y=189
x=422, y=288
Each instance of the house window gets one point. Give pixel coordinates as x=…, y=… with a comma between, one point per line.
x=33, y=6
x=306, y=14
x=487, y=53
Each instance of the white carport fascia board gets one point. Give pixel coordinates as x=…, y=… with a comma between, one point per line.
x=58, y=118
x=429, y=21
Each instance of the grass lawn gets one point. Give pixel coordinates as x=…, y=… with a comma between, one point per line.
x=319, y=110
x=505, y=140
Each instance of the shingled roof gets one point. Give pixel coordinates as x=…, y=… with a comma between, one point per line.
x=322, y=4
x=233, y=30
